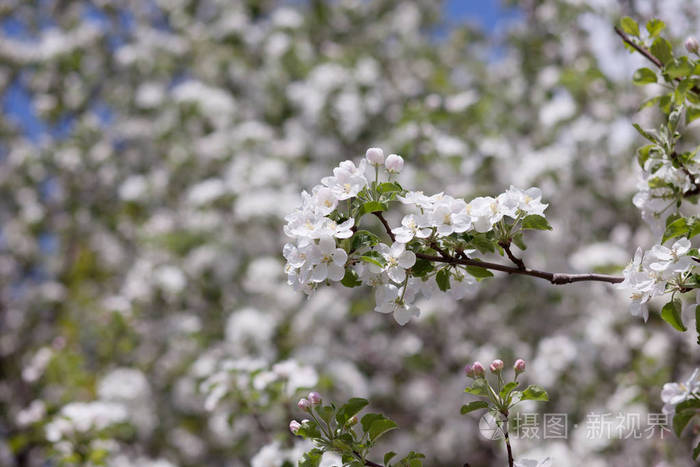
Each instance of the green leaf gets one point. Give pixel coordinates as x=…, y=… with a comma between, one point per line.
x=373, y=257
x=443, y=279
x=388, y=187
x=388, y=456
x=655, y=26
x=309, y=430
x=472, y=406
x=381, y=426
x=630, y=26
x=535, y=222
x=505, y=392
x=478, y=388
x=661, y=49
x=535, y=393
x=690, y=404
x=645, y=133
x=326, y=413
x=350, y=279
x=644, y=76
x=482, y=243
x=692, y=112
x=421, y=268
x=363, y=238
x=679, y=68
x=681, y=420
x=696, y=452
x=367, y=420
x=350, y=409
x=675, y=229
x=311, y=458
x=671, y=313
x=372, y=206
x=643, y=155
x=479, y=272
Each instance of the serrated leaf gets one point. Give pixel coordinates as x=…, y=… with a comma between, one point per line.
x=535, y=222
x=472, y=406
x=363, y=238
x=367, y=420
x=478, y=388
x=671, y=313
x=479, y=273
x=380, y=427
x=630, y=26
x=644, y=76
x=676, y=228
x=655, y=26
x=372, y=206
x=506, y=390
x=311, y=458
x=373, y=257
x=679, y=68
x=443, y=279
x=388, y=187
x=661, y=49
x=645, y=133
x=535, y=393
x=482, y=243
x=350, y=279
x=326, y=413
x=692, y=112
x=350, y=409
x=421, y=268
x=681, y=420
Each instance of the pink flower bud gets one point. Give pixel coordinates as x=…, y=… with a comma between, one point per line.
x=294, y=426
x=478, y=369
x=304, y=404
x=519, y=366
x=496, y=366
x=692, y=45
x=375, y=156
x=394, y=163
x=315, y=398
x=469, y=371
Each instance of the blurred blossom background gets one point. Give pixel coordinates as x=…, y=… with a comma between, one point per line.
x=149, y=150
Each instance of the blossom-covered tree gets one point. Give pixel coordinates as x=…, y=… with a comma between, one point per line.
x=145, y=317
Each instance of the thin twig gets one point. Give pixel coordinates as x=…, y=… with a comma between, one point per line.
x=518, y=261
x=367, y=461
x=553, y=277
x=641, y=49
x=386, y=224
x=647, y=54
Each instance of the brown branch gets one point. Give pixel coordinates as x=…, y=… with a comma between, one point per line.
x=385, y=224
x=647, y=54
x=641, y=49
x=553, y=277
x=518, y=261
x=367, y=461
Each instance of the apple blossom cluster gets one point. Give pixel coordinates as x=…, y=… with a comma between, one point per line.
x=673, y=394
x=328, y=247
x=77, y=422
x=656, y=271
